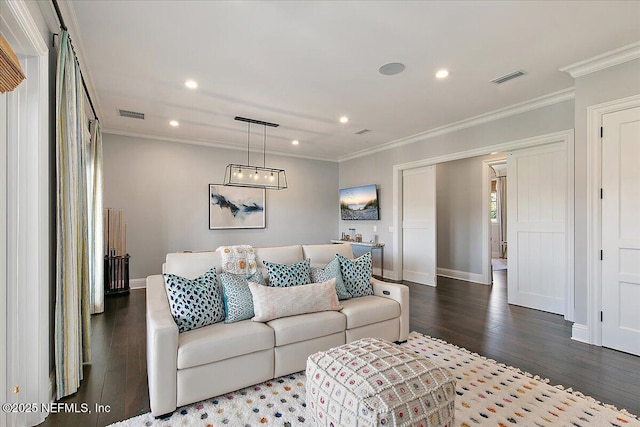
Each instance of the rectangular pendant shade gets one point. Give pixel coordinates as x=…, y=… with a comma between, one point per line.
x=255, y=177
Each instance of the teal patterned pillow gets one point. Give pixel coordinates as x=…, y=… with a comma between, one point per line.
x=356, y=274
x=331, y=271
x=283, y=276
x=238, y=302
x=195, y=303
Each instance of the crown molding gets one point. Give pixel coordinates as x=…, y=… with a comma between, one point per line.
x=605, y=60
x=543, y=101
x=210, y=144
x=26, y=27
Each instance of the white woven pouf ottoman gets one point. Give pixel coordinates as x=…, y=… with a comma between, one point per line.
x=372, y=382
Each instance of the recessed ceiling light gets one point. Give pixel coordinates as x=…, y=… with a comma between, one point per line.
x=344, y=119
x=442, y=74
x=295, y=142
x=191, y=84
x=391, y=68
x=174, y=123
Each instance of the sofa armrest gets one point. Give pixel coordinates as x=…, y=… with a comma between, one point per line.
x=162, y=349
x=397, y=292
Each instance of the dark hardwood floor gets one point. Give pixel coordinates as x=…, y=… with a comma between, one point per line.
x=473, y=316
x=117, y=373
x=478, y=318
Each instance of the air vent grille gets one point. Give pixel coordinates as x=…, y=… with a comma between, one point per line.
x=363, y=131
x=507, y=77
x=131, y=114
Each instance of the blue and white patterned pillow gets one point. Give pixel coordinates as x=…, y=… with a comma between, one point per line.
x=195, y=303
x=331, y=271
x=356, y=274
x=238, y=302
x=283, y=276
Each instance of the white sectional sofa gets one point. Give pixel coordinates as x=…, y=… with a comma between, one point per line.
x=223, y=357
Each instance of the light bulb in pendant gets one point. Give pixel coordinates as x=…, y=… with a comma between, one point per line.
x=271, y=177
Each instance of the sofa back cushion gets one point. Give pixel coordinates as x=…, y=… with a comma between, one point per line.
x=278, y=255
x=192, y=264
x=322, y=255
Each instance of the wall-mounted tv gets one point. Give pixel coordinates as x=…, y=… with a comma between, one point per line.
x=359, y=203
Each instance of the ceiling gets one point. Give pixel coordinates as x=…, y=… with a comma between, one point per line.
x=304, y=64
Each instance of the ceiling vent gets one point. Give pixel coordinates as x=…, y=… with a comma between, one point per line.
x=131, y=114
x=362, y=132
x=507, y=77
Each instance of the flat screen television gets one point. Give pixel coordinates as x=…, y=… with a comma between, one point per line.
x=359, y=203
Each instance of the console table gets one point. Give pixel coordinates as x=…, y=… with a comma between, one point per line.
x=371, y=246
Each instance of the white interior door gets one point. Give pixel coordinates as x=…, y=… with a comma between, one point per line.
x=419, y=225
x=537, y=210
x=621, y=230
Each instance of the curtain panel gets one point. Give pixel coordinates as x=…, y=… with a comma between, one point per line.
x=96, y=219
x=73, y=262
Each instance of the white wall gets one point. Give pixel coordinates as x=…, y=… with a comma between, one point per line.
x=163, y=189
x=378, y=167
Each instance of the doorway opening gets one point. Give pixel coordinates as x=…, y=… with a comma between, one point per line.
x=498, y=215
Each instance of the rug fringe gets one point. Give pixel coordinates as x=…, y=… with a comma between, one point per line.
x=529, y=375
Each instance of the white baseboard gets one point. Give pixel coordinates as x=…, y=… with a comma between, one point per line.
x=580, y=333
x=137, y=283
x=462, y=275
x=419, y=277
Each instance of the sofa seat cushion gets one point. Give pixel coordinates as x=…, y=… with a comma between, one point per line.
x=304, y=327
x=367, y=310
x=222, y=341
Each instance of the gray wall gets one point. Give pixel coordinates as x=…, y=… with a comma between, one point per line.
x=459, y=214
x=378, y=167
x=163, y=189
x=607, y=85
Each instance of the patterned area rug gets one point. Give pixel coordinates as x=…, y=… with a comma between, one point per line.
x=488, y=394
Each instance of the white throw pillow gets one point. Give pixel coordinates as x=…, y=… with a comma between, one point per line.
x=271, y=303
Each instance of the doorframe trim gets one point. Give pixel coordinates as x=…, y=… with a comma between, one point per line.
x=594, y=210
x=565, y=135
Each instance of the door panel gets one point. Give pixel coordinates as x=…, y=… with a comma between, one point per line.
x=621, y=230
x=537, y=200
x=419, y=225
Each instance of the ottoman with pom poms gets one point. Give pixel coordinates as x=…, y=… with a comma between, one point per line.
x=372, y=382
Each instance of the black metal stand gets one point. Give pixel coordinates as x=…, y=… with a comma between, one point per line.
x=116, y=274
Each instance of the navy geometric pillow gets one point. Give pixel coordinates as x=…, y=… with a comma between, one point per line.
x=356, y=274
x=283, y=276
x=195, y=303
x=331, y=271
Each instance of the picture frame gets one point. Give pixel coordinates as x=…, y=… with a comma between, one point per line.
x=236, y=207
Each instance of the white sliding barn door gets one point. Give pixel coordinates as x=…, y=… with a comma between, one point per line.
x=621, y=230
x=419, y=225
x=537, y=197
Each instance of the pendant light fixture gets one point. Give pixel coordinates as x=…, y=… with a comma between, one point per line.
x=253, y=176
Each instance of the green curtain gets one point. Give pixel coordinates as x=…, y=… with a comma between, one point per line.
x=73, y=281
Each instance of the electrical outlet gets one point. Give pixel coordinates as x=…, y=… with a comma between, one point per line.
x=391, y=229
x=375, y=228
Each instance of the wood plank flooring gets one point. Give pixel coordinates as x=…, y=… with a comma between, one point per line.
x=117, y=374
x=478, y=318
x=473, y=316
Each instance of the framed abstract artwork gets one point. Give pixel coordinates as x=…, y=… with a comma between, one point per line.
x=236, y=207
